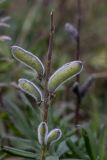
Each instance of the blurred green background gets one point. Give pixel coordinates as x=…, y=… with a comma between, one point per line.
x=28, y=26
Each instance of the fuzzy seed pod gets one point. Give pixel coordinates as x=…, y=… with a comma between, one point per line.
x=31, y=89
x=42, y=133
x=53, y=136
x=66, y=72
x=28, y=59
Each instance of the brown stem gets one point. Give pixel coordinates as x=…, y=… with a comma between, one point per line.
x=78, y=99
x=78, y=37
x=48, y=67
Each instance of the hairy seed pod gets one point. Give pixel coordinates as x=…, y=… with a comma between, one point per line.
x=53, y=136
x=42, y=133
x=66, y=72
x=28, y=59
x=31, y=89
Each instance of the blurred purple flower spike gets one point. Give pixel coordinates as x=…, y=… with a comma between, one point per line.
x=71, y=30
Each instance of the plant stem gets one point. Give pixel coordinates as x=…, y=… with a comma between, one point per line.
x=48, y=68
x=78, y=37
x=78, y=99
x=42, y=154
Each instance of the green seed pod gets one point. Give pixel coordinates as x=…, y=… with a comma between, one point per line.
x=53, y=136
x=66, y=72
x=31, y=89
x=42, y=133
x=28, y=59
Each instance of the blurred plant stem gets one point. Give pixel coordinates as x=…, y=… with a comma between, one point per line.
x=43, y=152
x=48, y=68
x=78, y=99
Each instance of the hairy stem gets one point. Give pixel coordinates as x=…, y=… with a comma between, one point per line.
x=48, y=67
x=78, y=99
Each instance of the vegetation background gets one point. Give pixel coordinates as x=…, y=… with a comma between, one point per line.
x=28, y=27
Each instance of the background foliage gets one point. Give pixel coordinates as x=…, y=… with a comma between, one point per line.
x=28, y=27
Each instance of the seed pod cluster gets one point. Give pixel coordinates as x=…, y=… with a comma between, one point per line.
x=28, y=59
x=31, y=89
x=66, y=72
x=46, y=138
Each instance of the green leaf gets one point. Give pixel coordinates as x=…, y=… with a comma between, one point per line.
x=19, y=119
x=21, y=143
x=66, y=72
x=102, y=144
x=62, y=148
x=89, y=144
x=72, y=159
x=74, y=149
x=52, y=158
x=19, y=152
x=3, y=156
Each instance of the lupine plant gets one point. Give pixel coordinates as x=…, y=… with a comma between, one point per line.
x=37, y=129
x=43, y=95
